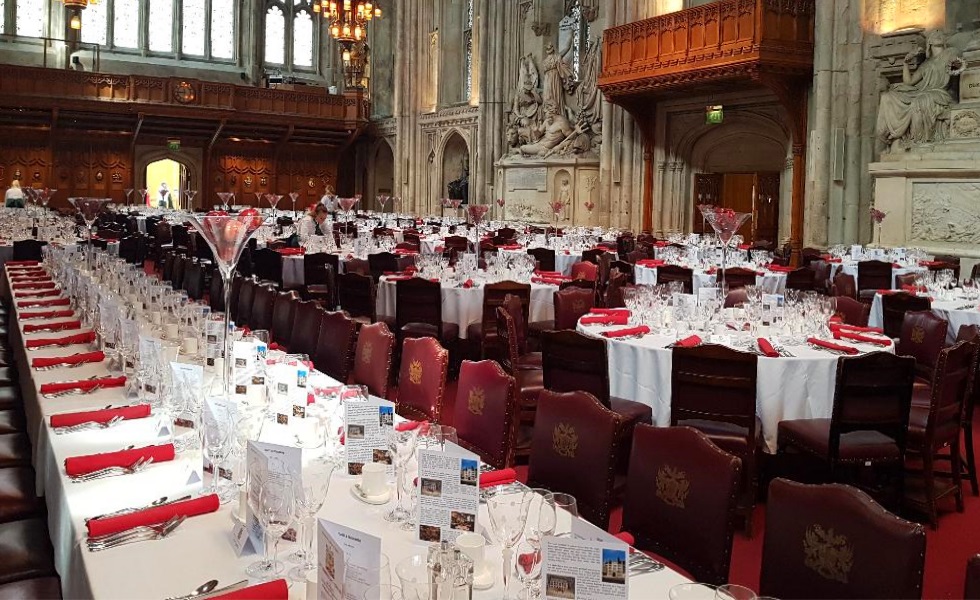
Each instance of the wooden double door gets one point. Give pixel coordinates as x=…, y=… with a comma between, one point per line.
x=756, y=193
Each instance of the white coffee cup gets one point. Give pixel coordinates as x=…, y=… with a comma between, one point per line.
x=374, y=479
x=472, y=545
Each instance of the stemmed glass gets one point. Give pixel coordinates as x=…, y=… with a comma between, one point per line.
x=383, y=201
x=189, y=198
x=226, y=199
x=529, y=568
x=557, y=206
x=401, y=447
x=293, y=196
x=508, y=516
x=310, y=492
x=274, y=510
x=217, y=439
x=477, y=213
x=347, y=205
x=89, y=209
x=129, y=196
x=541, y=516
x=142, y=192
x=273, y=200
x=565, y=504
x=725, y=223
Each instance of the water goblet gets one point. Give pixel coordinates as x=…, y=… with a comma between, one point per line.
x=274, y=508
x=508, y=515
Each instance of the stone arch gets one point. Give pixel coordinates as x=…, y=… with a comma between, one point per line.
x=381, y=175
x=453, y=150
x=191, y=158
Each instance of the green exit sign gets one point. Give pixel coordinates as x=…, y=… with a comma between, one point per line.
x=173, y=145
x=713, y=115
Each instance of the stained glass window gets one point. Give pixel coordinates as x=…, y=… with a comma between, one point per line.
x=468, y=47
x=161, y=26
x=31, y=17
x=126, y=24
x=303, y=39
x=95, y=24
x=275, y=36
x=222, y=29
x=192, y=31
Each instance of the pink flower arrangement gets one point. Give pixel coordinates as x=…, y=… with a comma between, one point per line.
x=557, y=206
x=878, y=215
x=500, y=202
x=477, y=211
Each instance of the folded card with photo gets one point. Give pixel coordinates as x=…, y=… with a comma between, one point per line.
x=361, y=558
x=267, y=462
x=364, y=433
x=188, y=383
x=686, y=301
x=584, y=569
x=331, y=574
x=213, y=338
x=248, y=372
x=288, y=392
x=150, y=349
x=448, y=493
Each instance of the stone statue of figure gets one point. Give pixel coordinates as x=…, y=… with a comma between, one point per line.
x=589, y=96
x=459, y=189
x=554, y=130
x=557, y=73
x=910, y=110
x=525, y=111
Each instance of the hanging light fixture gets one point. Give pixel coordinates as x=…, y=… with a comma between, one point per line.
x=348, y=19
x=79, y=4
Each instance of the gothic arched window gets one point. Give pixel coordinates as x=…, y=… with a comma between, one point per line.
x=291, y=35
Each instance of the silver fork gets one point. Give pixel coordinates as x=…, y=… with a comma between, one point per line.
x=65, y=365
x=163, y=501
x=87, y=425
x=136, y=467
x=831, y=350
x=73, y=391
x=136, y=534
x=784, y=352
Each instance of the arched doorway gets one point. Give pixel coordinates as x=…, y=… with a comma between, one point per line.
x=166, y=179
x=455, y=166
x=383, y=173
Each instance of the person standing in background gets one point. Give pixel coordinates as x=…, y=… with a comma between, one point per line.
x=14, y=197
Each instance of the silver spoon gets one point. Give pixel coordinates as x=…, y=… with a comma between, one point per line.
x=202, y=589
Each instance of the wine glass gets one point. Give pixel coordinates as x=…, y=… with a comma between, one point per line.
x=529, y=568
x=383, y=591
x=566, y=509
x=310, y=493
x=401, y=448
x=692, y=591
x=730, y=591
x=274, y=510
x=129, y=196
x=189, y=198
x=541, y=516
x=508, y=516
x=216, y=432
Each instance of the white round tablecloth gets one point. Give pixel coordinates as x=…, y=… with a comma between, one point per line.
x=955, y=312
x=799, y=387
x=464, y=306
x=851, y=268
x=772, y=283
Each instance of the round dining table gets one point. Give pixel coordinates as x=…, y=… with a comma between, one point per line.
x=956, y=312
x=770, y=281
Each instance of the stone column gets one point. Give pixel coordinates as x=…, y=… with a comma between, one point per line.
x=818, y=191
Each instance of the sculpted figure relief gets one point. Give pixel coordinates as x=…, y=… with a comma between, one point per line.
x=525, y=110
x=553, y=130
x=916, y=110
x=557, y=75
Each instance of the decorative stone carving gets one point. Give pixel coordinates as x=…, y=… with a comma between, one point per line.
x=965, y=124
x=553, y=131
x=558, y=76
x=945, y=212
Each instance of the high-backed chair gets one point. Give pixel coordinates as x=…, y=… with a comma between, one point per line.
x=306, y=328
x=834, y=542
x=263, y=303
x=194, y=280
x=359, y=266
x=923, y=335
x=801, y=279
x=868, y=427
x=484, y=333
x=808, y=255
x=529, y=381
x=28, y=249
x=573, y=450
x=736, y=297
x=592, y=255
x=422, y=379
x=668, y=273
x=418, y=311
x=585, y=270
x=844, y=285
x=934, y=431
x=571, y=304
x=381, y=263
x=735, y=277
x=180, y=267
x=216, y=290
x=713, y=389
x=894, y=308
x=372, y=358
x=613, y=296
x=968, y=333
x=821, y=276
x=320, y=278
x=851, y=311
x=486, y=412
x=243, y=308
x=335, y=346
x=357, y=295
x=971, y=587
x=545, y=258
x=873, y=275
x=268, y=265
x=681, y=495
x=283, y=314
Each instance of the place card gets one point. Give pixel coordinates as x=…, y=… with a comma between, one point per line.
x=264, y=462
x=248, y=370
x=360, y=553
x=448, y=493
x=288, y=392
x=685, y=301
x=214, y=340
x=364, y=433
x=584, y=569
x=333, y=566
x=709, y=294
x=149, y=348
x=188, y=383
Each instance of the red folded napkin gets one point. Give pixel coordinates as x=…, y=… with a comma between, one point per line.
x=154, y=516
x=510, y=247
x=271, y=590
x=688, y=342
x=21, y=263
x=931, y=263
x=712, y=270
x=745, y=246
x=549, y=273
x=409, y=425
x=63, y=325
x=79, y=338
x=43, y=285
x=30, y=277
x=616, y=319
x=47, y=314
x=499, y=477
x=781, y=268
x=80, y=465
x=405, y=252
x=615, y=333
x=650, y=262
x=399, y=277
x=84, y=384
x=888, y=292
x=468, y=284
x=841, y=334
x=53, y=302
x=914, y=289
x=37, y=293
x=835, y=260
x=104, y=415
x=84, y=357
x=626, y=537
x=608, y=311
x=292, y=251
x=833, y=346
x=661, y=244
x=766, y=347
x=834, y=326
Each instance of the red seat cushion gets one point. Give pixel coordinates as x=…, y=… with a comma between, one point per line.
x=813, y=436
x=529, y=384
x=633, y=412
x=530, y=361
x=539, y=326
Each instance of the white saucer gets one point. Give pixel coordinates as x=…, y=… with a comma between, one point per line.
x=483, y=581
x=377, y=500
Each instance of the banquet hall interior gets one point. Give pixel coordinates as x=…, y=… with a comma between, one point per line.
x=492, y=299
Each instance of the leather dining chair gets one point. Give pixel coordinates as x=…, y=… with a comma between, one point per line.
x=571, y=304
x=545, y=258
x=923, y=335
x=194, y=280
x=529, y=381
x=668, y=273
x=242, y=312
x=335, y=346
x=357, y=295
x=263, y=302
x=873, y=275
x=971, y=587
x=895, y=306
x=851, y=311
x=821, y=276
x=934, y=430
x=803, y=279
x=713, y=389
x=283, y=314
x=736, y=297
x=808, y=255
x=834, y=542
x=381, y=263
x=422, y=379
x=268, y=266
x=372, y=358
x=418, y=311
x=681, y=495
x=320, y=278
x=306, y=328
x=585, y=271
x=592, y=255
x=736, y=277
x=486, y=412
x=359, y=266
x=573, y=451
x=968, y=333
x=28, y=249
x=180, y=267
x=844, y=285
x=613, y=296
x=868, y=427
x=484, y=333
x=27, y=551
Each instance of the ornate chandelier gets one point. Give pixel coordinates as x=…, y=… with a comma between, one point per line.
x=79, y=3
x=348, y=20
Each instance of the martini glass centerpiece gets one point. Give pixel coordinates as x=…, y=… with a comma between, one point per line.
x=726, y=223
x=189, y=198
x=477, y=213
x=89, y=208
x=347, y=205
x=557, y=207
x=142, y=193
x=293, y=196
x=226, y=236
x=273, y=200
x=383, y=201
x=129, y=195
x=226, y=199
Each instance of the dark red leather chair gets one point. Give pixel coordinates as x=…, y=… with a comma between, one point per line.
x=869, y=423
x=243, y=307
x=486, y=413
x=851, y=311
x=359, y=266
x=525, y=360
x=934, y=431
x=923, y=336
x=803, y=279
x=585, y=270
x=736, y=297
x=545, y=258
x=613, y=296
x=17, y=499
x=968, y=333
x=713, y=390
x=334, y=353
x=381, y=263
x=357, y=295
x=418, y=311
x=372, y=358
x=26, y=550
x=38, y=588
x=971, y=588
x=834, y=542
x=873, y=275
x=895, y=306
x=809, y=254
x=283, y=314
x=573, y=450
x=681, y=495
x=263, y=302
x=422, y=379
x=306, y=328
x=484, y=333
x=668, y=273
x=735, y=277
x=821, y=276
x=570, y=305
x=530, y=381
x=844, y=285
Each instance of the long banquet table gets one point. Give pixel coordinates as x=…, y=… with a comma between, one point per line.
x=200, y=549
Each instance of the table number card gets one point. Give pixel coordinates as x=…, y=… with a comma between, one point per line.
x=584, y=569
x=449, y=493
x=364, y=435
x=332, y=571
x=361, y=558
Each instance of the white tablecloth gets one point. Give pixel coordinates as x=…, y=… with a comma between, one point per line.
x=772, y=283
x=851, y=268
x=956, y=312
x=800, y=387
x=201, y=549
x=464, y=306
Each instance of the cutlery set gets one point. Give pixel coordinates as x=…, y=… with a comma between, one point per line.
x=163, y=501
x=136, y=467
x=90, y=425
x=143, y=533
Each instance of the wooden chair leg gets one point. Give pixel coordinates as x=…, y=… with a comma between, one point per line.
x=971, y=461
x=957, y=469
x=929, y=487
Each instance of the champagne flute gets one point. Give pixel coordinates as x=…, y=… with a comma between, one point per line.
x=508, y=516
x=529, y=568
x=275, y=511
x=310, y=493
